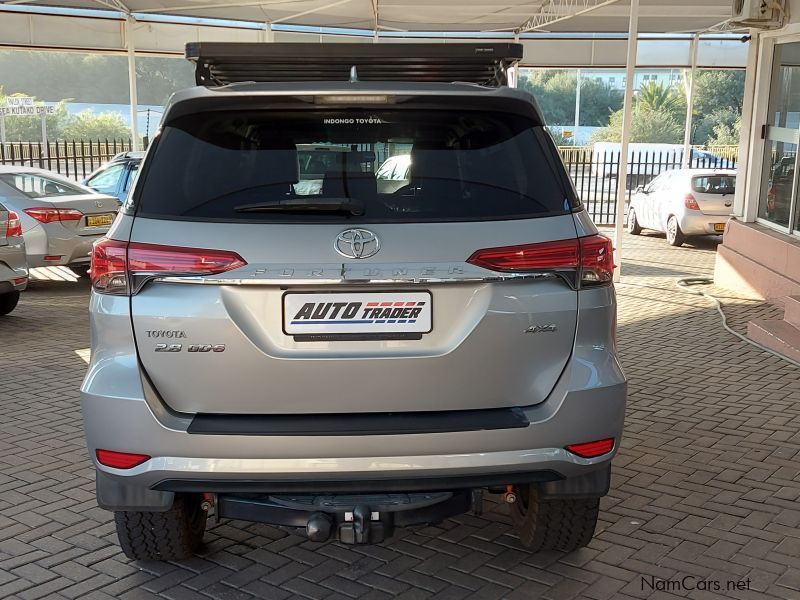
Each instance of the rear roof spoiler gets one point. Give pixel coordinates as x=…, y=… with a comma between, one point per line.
x=221, y=63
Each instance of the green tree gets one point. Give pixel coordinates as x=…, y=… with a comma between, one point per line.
x=96, y=78
x=657, y=126
x=86, y=125
x=704, y=127
x=726, y=135
x=598, y=100
x=554, y=90
x=658, y=97
x=718, y=89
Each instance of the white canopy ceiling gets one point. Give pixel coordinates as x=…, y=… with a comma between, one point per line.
x=595, y=16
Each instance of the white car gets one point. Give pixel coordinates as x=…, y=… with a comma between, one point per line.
x=683, y=203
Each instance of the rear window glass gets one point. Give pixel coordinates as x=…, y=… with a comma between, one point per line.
x=37, y=186
x=399, y=165
x=714, y=184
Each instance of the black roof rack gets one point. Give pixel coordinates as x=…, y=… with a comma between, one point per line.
x=221, y=63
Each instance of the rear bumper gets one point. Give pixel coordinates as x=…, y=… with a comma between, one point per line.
x=123, y=413
x=13, y=267
x=701, y=224
x=53, y=239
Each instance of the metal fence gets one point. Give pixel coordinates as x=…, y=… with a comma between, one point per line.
x=76, y=158
x=594, y=174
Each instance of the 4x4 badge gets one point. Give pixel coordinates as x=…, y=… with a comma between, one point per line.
x=357, y=243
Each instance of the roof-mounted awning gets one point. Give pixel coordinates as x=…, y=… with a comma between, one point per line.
x=221, y=63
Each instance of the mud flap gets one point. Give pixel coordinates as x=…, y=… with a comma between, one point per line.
x=116, y=495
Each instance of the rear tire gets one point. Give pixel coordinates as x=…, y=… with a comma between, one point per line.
x=675, y=237
x=633, y=225
x=564, y=524
x=8, y=302
x=170, y=535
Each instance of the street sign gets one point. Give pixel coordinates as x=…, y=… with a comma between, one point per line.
x=23, y=106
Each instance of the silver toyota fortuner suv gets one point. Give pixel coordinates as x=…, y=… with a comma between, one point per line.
x=282, y=334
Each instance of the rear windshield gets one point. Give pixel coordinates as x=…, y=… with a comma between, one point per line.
x=38, y=186
x=400, y=165
x=714, y=184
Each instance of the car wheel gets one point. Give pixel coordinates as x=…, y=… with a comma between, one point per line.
x=563, y=524
x=8, y=302
x=170, y=535
x=675, y=236
x=633, y=225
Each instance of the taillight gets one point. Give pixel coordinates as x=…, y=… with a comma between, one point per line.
x=593, y=254
x=172, y=260
x=14, y=225
x=115, y=263
x=597, y=260
x=561, y=254
x=592, y=449
x=120, y=460
x=109, y=270
x=690, y=202
x=49, y=215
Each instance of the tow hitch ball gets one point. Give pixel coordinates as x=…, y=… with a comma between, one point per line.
x=318, y=528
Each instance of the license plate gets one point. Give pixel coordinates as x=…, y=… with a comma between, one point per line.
x=719, y=227
x=99, y=220
x=350, y=312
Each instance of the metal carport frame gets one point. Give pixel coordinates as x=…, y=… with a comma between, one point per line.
x=553, y=15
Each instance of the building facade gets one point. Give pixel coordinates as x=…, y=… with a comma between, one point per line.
x=760, y=254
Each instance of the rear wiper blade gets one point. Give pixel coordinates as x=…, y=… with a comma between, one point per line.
x=311, y=204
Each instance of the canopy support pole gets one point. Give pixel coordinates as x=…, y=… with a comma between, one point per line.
x=687, y=135
x=627, y=113
x=132, y=82
x=577, y=100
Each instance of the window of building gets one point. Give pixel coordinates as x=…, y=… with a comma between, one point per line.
x=778, y=196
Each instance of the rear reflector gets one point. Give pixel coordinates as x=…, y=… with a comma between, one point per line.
x=14, y=226
x=49, y=215
x=52, y=257
x=115, y=262
x=120, y=460
x=592, y=449
x=594, y=255
x=19, y=280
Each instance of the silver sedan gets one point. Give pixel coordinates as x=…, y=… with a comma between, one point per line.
x=13, y=268
x=683, y=203
x=60, y=218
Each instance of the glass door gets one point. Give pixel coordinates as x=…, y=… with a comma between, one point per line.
x=778, y=197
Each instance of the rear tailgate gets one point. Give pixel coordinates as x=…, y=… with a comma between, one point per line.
x=476, y=354
x=97, y=212
x=227, y=184
x=714, y=192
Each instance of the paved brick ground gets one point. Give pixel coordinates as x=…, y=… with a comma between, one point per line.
x=706, y=484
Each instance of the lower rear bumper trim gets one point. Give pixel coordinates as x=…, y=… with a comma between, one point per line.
x=422, y=484
x=385, y=423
